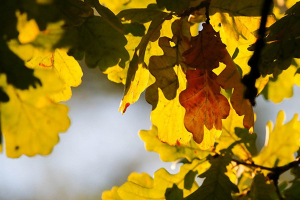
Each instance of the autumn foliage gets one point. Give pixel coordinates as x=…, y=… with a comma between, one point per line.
x=190, y=57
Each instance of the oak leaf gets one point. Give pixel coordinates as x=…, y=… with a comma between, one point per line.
x=162, y=67
x=169, y=153
x=142, y=186
x=231, y=78
x=282, y=142
x=217, y=185
x=205, y=106
x=206, y=49
x=66, y=67
x=30, y=120
x=168, y=116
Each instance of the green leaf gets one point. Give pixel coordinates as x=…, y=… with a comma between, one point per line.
x=137, y=190
x=282, y=142
x=216, y=186
x=103, y=45
x=135, y=29
x=174, y=5
x=109, y=16
x=293, y=192
x=261, y=190
x=74, y=12
x=283, y=43
x=189, y=179
x=249, y=140
x=139, y=15
x=171, y=153
x=174, y=193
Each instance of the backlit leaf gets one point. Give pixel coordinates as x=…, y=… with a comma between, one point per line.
x=281, y=87
x=171, y=153
x=111, y=194
x=162, y=67
x=66, y=67
x=231, y=78
x=281, y=142
x=216, y=186
x=137, y=190
x=229, y=136
x=206, y=49
x=205, y=106
x=30, y=120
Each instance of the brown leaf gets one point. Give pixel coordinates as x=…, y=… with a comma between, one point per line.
x=204, y=104
x=231, y=78
x=206, y=50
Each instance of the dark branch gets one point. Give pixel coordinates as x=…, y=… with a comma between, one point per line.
x=249, y=79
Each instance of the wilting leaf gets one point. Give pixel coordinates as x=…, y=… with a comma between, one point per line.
x=216, y=186
x=171, y=153
x=206, y=50
x=205, y=106
x=111, y=194
x=136, y=189
x=261, y=190
x=293, y=191
x=282, y=43
x=231, y=78
x=281, y=142
x=66, y=67
x=30, y=120
x=162, y=67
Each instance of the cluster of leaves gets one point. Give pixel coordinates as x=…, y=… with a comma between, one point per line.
x=191, y=78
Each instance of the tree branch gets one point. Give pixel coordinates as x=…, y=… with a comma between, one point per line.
x=249, y=79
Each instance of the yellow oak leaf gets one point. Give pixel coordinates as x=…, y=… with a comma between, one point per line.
x=171, y=153
x=228, y=136
x=66, y=67
x=30, y=119
x=28, y=30
x=140, y=82
x=168, y=116
x=156, y=189
x=282, y=87
x=111, y=194
x=281, y=143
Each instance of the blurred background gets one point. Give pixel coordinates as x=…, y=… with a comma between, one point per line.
x=102, y=146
